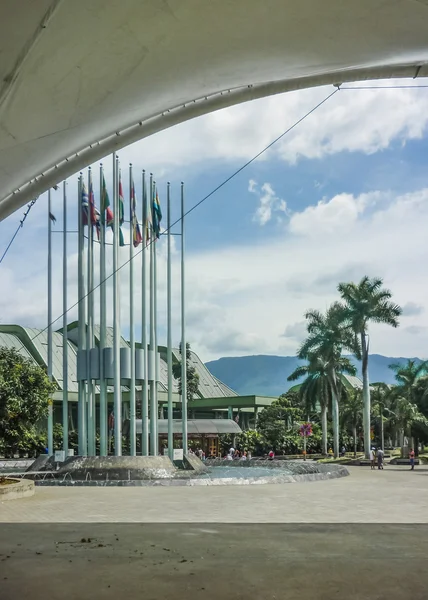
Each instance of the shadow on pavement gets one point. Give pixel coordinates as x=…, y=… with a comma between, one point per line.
x=213, y=561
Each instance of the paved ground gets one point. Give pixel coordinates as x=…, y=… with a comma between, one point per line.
x=395, y=495
x=73, y=543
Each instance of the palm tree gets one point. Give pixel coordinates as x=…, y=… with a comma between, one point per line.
x=404, y=415
x=352, y=413
x=327, y=335
x=407, y=375
x=316, y=389
x=367, y=302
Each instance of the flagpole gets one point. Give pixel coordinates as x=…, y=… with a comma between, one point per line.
x=50, y=409
x=153, y=449
x=116, y=315
x=169, y=329
x=183, y=333
x=64, y=323
x=155, y=342
x=90, y=328
x=83, y=442
x=132, y=402
x=144, y=399
x=103, y=321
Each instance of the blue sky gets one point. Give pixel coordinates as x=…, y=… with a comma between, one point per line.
x=343, y=195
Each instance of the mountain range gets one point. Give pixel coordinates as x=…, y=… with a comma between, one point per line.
x=265, y=375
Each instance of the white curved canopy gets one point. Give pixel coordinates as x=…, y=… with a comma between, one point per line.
x=81, y=78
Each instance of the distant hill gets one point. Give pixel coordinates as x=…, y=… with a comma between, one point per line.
x=267, y=375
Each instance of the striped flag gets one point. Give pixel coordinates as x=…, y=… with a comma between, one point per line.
x=85, y=204
x=121, y=211
x=136, y=232
x=156, y=215
x=94, y=212
x=106, y=211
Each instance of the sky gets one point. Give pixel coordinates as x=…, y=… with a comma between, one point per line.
x=343, y=195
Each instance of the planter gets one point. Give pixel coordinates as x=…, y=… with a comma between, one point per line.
x=13, y=489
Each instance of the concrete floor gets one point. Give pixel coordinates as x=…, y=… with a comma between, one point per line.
x=73, y=543
x=395, y=495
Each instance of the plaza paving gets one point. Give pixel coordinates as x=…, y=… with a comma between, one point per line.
x=360, y=537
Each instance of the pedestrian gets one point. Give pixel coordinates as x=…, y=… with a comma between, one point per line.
x=271, y=455
x=380, y=458
x=372, y=459
x=412, y=459
x=343, y=451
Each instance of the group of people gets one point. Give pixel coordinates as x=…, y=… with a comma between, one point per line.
x=235, y=454
x=380, y=456
x=198, y=452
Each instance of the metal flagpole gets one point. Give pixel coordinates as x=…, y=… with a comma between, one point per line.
x=169, y=328
x=183, y=333
x=50, y=340
x=144, y=399
x=153, y=449
x=155, y=339
x=116, y=316
x=132, y=407
x=103, y=320
x=90, y=328
x=83, y=442
x=64, y=323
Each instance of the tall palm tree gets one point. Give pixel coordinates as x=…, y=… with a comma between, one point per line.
x=407, y=375
x=328, y=334
x=352, y=413
x=367, y=302
x=316, y=389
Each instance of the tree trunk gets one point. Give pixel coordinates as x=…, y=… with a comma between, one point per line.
x=335, y=406
x=366, y=395
x=354, y=433
x=324, y=429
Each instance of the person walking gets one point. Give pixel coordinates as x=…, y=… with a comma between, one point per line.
x=412, y=459
x=380, y=459
x=372, y=459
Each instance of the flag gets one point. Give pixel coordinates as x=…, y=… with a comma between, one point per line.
x=106, y=212
x=136, y=233
x=121, y=211
x=121, y=201
x=156, y=215
x=85, y=204
x=52, y=217
x=94, y=212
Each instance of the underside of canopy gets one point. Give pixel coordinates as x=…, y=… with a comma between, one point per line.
x=82, y=78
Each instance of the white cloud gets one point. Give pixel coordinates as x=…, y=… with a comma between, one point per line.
x=355, y=121
x=251, y=299
x=329, y=215
x=268, y=202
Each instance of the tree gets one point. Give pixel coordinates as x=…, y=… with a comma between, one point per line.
x=25, y=391
x=315, y=390
x=352, y=413
x=407, y=376
x=328, y=335
x=192, y=378
x=404, y=416
x=277, y=421
x=367, y=302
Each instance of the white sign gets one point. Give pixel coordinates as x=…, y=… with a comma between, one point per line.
x=59, y=456
x=178, y=454
x=70, y=452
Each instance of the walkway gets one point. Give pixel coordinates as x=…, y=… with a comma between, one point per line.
x=181, y=543
x=394, y=495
